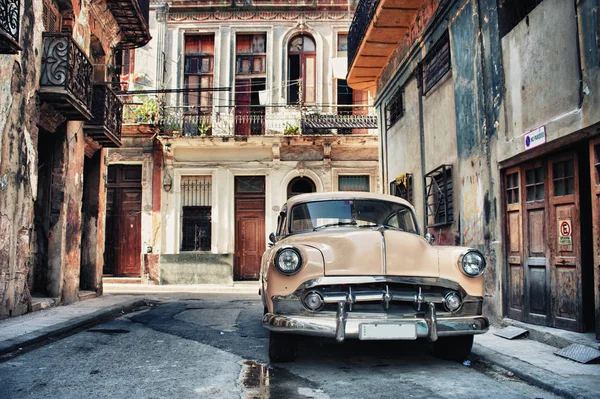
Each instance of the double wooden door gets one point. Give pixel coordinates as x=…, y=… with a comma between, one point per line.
x=122, y=254
x=543, y=242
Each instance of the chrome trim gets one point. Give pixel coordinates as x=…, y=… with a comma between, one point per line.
x=344, y=280
x=462, y=256
x=446, y=301
x=432, y=323
x=340, y=326
x=381, y=229
x=428, y=327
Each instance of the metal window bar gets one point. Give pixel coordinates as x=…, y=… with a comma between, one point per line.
x=354, y=183
x=196, y=191
x=196, y=228
x=439, y=197
x=436, y=64
x=9, y=26
x=394, y=109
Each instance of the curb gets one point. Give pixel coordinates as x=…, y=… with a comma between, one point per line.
x=18, y=343
x=531, y=374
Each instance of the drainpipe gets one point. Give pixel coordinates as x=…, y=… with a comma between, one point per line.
x=422, y=144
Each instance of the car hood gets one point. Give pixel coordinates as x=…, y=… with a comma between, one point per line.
x=359, y=252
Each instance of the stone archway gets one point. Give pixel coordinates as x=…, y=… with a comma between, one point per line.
x=300, y=185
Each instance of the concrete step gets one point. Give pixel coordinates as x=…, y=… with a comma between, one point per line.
x=83, y=295
x=39, y=303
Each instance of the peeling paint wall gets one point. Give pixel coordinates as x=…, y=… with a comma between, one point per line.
x=19, y=75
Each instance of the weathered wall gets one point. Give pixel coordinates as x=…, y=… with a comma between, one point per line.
x=542, y=75
x=196, y=268
x=404, y=147
x=19, y=75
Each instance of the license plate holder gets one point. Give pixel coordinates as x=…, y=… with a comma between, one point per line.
x=387, y=331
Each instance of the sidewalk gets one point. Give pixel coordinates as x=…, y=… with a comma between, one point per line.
x=529, y=359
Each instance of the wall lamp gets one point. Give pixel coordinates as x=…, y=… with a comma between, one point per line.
x=167, y=182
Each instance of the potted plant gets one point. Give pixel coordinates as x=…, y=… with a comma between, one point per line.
x=203, y=128
x=290, y=129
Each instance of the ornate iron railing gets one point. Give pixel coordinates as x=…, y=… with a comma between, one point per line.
x=9, y=26
x=105, y=126
x=345, y=120
x=132, y=16
x=66, y=70
x=360, y=23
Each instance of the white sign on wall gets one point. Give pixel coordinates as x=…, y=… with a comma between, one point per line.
x=535, y=137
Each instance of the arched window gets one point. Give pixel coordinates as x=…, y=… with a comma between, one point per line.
x=300, y=185
x=302, y=69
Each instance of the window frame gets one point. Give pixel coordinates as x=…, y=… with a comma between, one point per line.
x=439, y=197
x=394, y=108
x=404, y=191
x=436, y=64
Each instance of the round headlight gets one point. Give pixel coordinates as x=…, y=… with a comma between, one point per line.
x=472, y=263
x=288, y=261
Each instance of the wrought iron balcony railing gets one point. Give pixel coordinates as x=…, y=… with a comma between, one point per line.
x=360, y=23
x=66, y=79
x=105, y=127
x=257, y=121
x=132, y=16
x=9, y=26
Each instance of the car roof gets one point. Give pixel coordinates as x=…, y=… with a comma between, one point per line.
x=336, y=195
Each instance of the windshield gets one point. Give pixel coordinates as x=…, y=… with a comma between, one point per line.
x=358, y=213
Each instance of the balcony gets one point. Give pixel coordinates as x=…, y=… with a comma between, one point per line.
x=105, y=126
x=378, y=28
x=66, y=78
x=132, y=16
x=9, y=26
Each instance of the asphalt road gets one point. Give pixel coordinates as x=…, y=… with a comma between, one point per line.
x=214, y=346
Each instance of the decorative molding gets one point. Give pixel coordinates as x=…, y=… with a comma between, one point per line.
x=290, y=16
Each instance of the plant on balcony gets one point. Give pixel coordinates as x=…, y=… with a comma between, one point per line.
x=174, y=128
x=290, y=129
x=203, y=128
x=147, y=111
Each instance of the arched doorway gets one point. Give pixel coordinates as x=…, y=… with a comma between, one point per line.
x=302, y=71
x=300, y=185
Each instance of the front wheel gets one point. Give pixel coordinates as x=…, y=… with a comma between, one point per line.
x=282, y=347
x=453, y=348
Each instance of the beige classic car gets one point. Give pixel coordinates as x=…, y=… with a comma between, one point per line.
x=350, y=265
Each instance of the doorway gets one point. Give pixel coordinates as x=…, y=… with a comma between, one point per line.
x=249, y=226
x=547, y=245
x=123, y=246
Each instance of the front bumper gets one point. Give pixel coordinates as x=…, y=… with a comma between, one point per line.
x=347, y=325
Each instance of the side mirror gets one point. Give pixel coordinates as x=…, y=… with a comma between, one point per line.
x=272, y=238
x=430, y=238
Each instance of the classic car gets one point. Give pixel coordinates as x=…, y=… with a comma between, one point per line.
x=350, y=265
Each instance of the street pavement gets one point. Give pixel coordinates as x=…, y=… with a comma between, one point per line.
x=525, y=359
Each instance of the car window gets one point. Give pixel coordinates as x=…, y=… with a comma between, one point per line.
x=360, y=213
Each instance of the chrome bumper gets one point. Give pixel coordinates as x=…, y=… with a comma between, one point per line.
x=347, y=325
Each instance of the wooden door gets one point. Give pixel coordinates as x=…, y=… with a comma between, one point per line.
x=565, y=242
x=249, y=227
x=123, y=243
x=130, y=237
x=535, y=249
x=514, y=252
x=595, y=185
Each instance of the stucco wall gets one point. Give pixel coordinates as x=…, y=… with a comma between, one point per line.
x=404, y=147
x=542, y=75
x=19, y=76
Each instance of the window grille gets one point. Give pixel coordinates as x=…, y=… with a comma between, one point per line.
x=196, y=201
x=439, y=195
x=394, y=109
x=354, y=183
x=436, y=64
x=403, y=187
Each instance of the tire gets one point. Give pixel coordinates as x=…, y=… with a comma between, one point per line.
x=453, y=348
x=282, y=347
